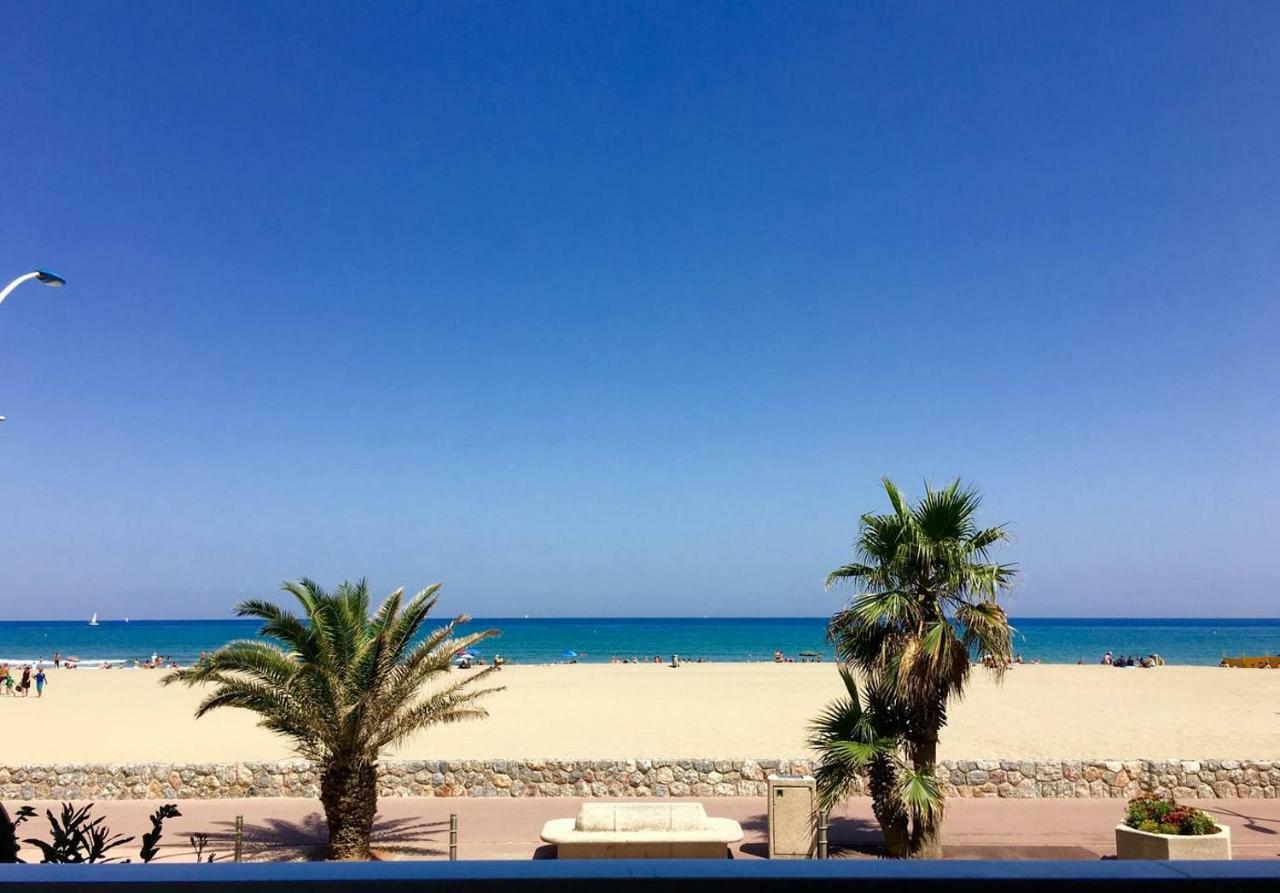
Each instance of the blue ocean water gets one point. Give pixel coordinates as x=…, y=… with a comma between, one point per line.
x=722, y=639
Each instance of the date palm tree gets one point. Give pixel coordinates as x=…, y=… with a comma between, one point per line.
x=925, y=610
x=343, y=685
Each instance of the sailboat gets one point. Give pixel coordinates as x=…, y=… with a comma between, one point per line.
x=93, y=621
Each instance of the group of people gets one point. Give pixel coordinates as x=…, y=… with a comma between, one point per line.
x=676, y=660
x=806, y=657
x=21, y=687
x=466, y=661
x=156, y=662
x=1113, y=660
x=991, y=662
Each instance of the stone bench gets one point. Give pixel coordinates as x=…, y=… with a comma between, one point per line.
x=642, y=831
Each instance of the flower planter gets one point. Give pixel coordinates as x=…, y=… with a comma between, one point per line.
x=1134, y=844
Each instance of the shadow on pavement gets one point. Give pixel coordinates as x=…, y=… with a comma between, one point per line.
x=398, y=838
x=1250, y=822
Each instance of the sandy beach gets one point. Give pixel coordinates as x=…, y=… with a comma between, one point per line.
x=711, y=710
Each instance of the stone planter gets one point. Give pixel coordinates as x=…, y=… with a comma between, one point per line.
x=1134, y=844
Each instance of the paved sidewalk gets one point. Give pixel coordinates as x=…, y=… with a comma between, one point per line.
x=493, y=828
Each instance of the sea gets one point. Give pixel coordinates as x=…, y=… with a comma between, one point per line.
x=598, y=640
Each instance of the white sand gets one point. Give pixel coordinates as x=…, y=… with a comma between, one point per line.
x=709, y=710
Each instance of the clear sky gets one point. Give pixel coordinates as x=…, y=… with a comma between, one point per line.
x=624, y=309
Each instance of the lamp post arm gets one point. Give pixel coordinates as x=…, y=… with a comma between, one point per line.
x=15, y=283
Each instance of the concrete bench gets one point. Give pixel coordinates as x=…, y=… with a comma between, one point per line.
x=642, y=831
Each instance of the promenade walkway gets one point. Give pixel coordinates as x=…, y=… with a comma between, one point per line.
x=492, y=828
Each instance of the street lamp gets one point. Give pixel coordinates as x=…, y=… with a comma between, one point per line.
x=44, y=277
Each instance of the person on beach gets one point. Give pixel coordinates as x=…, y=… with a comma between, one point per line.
x=57, y=660
x=24, y=687
x=40, y=680
x=6, y=680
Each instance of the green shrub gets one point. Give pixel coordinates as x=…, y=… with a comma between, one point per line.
x=1161, y=815
x=75, y=836
x=1202, y=823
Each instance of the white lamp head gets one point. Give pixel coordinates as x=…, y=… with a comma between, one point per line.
x=44, y=277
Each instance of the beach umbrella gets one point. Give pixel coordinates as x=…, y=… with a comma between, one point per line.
x=568, y=654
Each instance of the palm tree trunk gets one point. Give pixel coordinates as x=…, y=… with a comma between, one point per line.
x=926, y=837
x=889, y=811
x=349, y=795
x=926, y=833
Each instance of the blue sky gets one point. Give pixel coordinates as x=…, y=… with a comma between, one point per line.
x=623, y=309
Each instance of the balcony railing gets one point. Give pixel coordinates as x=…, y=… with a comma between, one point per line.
x=666, y=876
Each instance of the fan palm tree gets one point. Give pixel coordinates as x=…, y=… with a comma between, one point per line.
x=927, y=607
x=343, y=685
x=860, y=736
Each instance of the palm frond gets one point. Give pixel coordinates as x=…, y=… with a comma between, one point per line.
x=921, y=792
x=342, y=683
x=856, y=571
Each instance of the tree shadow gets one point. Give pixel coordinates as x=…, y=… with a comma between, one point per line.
x=1250, y=821
x=408, y=837
x=851, y=838
x=847, y=838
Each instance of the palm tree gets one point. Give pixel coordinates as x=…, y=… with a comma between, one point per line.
x=343, y=685
x=861, y=736
x=927, y=607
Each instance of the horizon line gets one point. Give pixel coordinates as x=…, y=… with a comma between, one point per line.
x=474, y=617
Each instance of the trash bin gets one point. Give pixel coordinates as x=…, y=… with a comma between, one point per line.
x=793, y=810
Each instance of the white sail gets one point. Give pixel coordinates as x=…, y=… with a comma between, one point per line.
x=93, y=621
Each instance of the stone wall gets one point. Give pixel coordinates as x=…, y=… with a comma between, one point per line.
x=633, y=778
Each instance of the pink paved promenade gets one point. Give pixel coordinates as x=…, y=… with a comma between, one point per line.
x=495, y=828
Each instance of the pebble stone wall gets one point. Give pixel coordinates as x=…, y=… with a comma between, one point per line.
x=633, y=778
